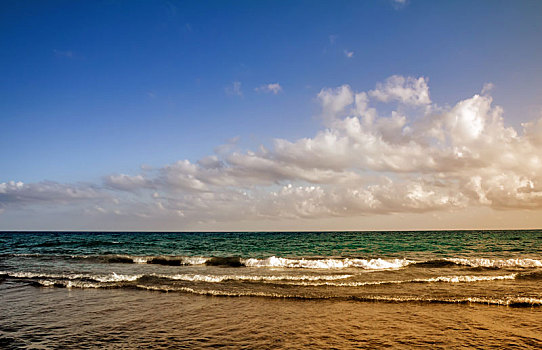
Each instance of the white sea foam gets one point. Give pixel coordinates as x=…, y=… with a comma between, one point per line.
x=194, y=260
x=458, y=279
x=42, y=275
x=113, y=277
x=372, y=264
x=446, y=279
x=517, y=301
x=221, y=278
x=498, y=263
x=139, y=259
x=69, y=284
x=185, y=260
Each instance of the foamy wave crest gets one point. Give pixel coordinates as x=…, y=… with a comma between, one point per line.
x=445, y=279
x=221, y=278
x=460, y=279
x=372, y=264
x=169, y=260
x=69, y=284
x=513, y=302
x=497, y=263
x=113, y=277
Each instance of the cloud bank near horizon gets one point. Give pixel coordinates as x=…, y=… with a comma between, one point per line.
x=383, y=151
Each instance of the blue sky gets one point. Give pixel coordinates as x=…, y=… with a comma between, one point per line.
x=94, y=89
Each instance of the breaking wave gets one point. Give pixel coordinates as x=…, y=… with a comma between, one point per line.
x=496, y=263
x=306, y=263
x=114, y=277
x=297, y=280
x=273, y=261
x=372, y=264
x=505, y=301
x=444, y=279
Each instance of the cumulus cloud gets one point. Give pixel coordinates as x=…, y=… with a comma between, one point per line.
x=273, y=88
x=362, y=163
x=409, y=90
x=334, y=101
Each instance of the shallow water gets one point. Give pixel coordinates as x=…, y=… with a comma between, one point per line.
x=104, y=318
x=272, y=290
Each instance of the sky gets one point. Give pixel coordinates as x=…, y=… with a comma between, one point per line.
x=270, y=115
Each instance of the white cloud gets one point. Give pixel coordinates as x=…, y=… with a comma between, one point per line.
x=334, y=101
x=126, y=182
x=19, y=193
x=274, y=88
x=362, y=163
x=407, y=90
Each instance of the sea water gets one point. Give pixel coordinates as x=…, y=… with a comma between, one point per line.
x=266, y=289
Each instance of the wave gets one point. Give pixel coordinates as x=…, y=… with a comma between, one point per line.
x=305, y=263
x=297, y=280
x=255, y=278
x=496, y=263
x=507, y=301
x=438, y=263
x=537, y=275
x=511, y=302
x=114, y=277
x=144, y=259
x=273, y=261
x=372, y=264
x=443, y=279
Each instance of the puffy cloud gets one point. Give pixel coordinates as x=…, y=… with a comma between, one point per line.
x=334, y=101
x=273, y=88
x=533, y=131
x=362, y=163
x=409, y=90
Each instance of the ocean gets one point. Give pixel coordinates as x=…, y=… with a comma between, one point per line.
x=257, y=290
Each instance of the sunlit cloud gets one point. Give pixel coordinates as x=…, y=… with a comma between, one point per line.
x=363, y=162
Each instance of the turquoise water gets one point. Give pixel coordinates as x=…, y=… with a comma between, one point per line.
x=414, y=244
